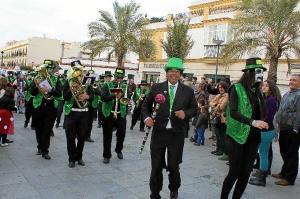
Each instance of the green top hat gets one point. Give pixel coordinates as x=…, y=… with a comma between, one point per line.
x=253, y=63
x=175, y=63
x=120, y=73
x=49, y=63
x=91, y=72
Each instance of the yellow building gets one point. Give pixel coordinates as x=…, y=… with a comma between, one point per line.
x=210, y=21
x=35, y=50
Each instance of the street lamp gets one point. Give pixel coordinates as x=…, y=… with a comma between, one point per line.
x=32, y=64
x=2, y=58
x=218, y=42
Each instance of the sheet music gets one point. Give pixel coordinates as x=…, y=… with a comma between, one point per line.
x=45, y=83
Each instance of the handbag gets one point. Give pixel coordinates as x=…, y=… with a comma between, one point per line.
x=216, y=118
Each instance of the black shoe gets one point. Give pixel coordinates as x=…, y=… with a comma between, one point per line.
x=89, y=140
x=71, y=164
x=131, y=128
x=39, y=152
x=202, y=144
x=213, y=152
x=20, y=112
x=56, y=125
x=196, y=144
x=9, y=141
x=99, y=126
x=80, y=162
x=106, y=160
x=46, y=156
x=32, y=128
x=192, y=139
x=52, y=133
x=120, y=156
x=218, y=153
x=25, y=125
x=174, y=195
x=142, y=130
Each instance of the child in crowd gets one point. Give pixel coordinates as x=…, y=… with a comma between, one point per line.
x=201, y=124
x=7, y=105
x=194, y=138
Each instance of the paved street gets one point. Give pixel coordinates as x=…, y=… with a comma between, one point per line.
x=26, y=175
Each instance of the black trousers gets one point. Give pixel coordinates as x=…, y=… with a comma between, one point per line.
x=108, y=125
x=100, y=114
x=44, y=118
x=76, y=124
x=135, y=116
x=173, y=143
x=60, y=109
x=91, y=112
x=241, y=158
x=289, y=147
x=28, y=111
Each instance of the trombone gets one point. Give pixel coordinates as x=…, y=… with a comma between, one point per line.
x=124, y=100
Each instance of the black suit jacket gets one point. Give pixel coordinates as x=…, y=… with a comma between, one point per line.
x=184, y=100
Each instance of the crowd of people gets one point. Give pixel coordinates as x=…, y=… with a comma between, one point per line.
x=243, y=116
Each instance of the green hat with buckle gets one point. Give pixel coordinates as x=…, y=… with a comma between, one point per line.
x=174, y=63
x=253, y=63
x=49, y=63
x=120, y=73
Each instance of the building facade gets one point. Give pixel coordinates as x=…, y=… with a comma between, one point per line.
x=210, y=21
x=35, y=50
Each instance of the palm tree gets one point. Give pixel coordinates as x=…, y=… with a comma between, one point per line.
x=264, y=27
x=119, y=33
x=178, y=43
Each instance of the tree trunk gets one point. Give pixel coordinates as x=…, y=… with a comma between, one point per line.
x=272, y=74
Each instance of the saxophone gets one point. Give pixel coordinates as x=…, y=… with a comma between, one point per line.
x=77, y=88
x=44, y=75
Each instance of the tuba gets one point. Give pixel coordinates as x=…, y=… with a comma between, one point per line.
x=44, y=75
x=76, y=86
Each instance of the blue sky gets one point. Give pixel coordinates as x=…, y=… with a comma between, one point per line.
x=67, y=19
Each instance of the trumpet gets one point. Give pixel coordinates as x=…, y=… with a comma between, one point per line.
x=95, y=86
x=124, y=100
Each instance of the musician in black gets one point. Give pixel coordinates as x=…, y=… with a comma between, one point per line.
x=76, y=97
x=114, y=112
x=44, y=112
x=139, y=97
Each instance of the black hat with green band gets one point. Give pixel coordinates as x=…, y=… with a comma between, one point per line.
x=253, y=63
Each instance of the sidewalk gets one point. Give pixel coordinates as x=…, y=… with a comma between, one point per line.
x=28, y=176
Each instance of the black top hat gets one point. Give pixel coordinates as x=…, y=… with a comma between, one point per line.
x=253, y=63
x=143, y=83
x=107, y=73
x=76, y=63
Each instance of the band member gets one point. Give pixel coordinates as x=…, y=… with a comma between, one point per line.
x=29, y=100
x=46, y=87
x=139, y=98
x=114, y=112
x=92, y=106
x=77, y=97
x=106, y=77
x=61, y=103
x=170, y=124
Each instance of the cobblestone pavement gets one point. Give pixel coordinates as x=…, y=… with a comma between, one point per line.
x=26, y=175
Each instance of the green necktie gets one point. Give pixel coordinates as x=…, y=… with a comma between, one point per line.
x=171, y=93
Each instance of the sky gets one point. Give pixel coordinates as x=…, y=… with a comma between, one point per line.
x=67, y=20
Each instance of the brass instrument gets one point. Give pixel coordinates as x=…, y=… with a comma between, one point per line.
x=141, y=98
x=116, y=90
x=76, y=86
x=124, y=100
x=44, y=75
x=95, y=86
